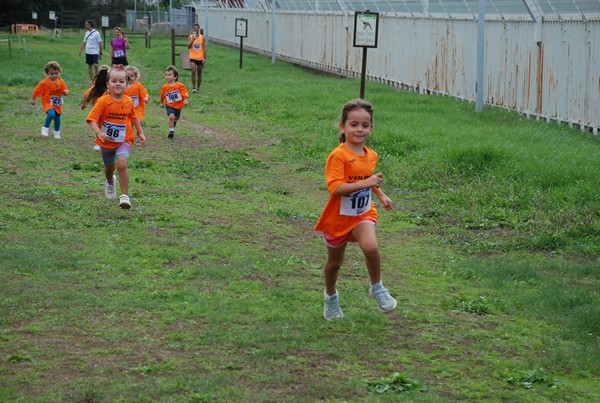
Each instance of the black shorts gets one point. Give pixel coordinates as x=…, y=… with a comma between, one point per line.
x=119, y=60
x=91, y=59
x=197, y=62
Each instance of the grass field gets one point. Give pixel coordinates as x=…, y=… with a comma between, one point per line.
x=210, y=287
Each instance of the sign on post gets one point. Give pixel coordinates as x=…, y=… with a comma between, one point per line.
x=104, y=25
x=34, y=15
x=366, y=34
x=241, y=31
x=52, y=15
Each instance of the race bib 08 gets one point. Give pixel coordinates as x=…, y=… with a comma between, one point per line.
x=56, y=101
x=114, y=131
x=173, y=97
x=357, y=203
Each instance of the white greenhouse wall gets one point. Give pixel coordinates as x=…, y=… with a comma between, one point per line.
x=557, y=79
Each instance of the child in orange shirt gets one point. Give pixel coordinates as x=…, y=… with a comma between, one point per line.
x=136, y=92
x=350, y=215
x=112, y=120
x=51, y=90
x=173, y=97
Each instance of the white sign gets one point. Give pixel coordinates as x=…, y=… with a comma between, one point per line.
x=105, y=21
x=241, y=27
x=34, y=15
x=366, y=29
x=52, y=15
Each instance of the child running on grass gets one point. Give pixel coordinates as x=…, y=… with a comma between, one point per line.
x=173, y=97
x=112, y=120
x=96, y=91
x=136, y=92
x=51, y=90
x=350, y=215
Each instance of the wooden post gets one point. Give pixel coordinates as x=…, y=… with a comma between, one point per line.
x=173, y=46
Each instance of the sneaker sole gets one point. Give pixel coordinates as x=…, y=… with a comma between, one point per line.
x=125, y=206
x=388, y=310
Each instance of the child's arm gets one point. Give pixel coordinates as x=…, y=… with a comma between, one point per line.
x=140, y=132
x=32, y=100
x=94, y=126
x=346, y=188
x=385, y=200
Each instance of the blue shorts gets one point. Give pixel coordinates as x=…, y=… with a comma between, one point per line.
x=109, y=155
x=176, y=112
x=91, y=59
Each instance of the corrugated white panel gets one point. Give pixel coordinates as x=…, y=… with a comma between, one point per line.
x=557, y=79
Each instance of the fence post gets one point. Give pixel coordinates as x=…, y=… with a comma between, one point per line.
x=173, y=46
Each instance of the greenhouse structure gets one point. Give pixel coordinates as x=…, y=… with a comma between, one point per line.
x=538, y=57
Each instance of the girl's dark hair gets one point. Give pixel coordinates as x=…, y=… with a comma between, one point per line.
x=351, y=106
x=99, y=86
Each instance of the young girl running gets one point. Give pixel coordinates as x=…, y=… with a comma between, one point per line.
x=136, y=92
x=96, y=91
x=51, y=90
x=173, y=96
x=350, y=215
x=111, y=120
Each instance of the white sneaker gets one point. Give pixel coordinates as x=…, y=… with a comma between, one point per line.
x=57, y=134
x=331, y=307
x=109, y=190
x=96, y=147
x=45, y=131
x=124, y=201
x=385, y=302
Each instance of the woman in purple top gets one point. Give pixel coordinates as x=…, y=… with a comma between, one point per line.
x=119, y=46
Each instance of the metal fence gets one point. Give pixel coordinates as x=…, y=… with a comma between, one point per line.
x=542, y=62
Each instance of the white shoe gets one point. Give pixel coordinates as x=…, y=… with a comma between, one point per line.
x=96, y=147
x=57, y=134
x=45, y=131
x=124, y=201
x=109, y=190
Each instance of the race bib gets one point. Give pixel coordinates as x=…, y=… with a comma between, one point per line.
x=173, y=97
x=356, y=203
x=197, y=46
x=119, y=53
x=114, y=131
x=56, y=101
x=136, y=100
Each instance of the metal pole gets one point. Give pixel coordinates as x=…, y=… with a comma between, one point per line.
x=480, y=57
x=273, y=58
x=241, y=49
x=363, y=73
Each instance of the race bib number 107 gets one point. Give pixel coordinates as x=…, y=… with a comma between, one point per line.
x=356, y=203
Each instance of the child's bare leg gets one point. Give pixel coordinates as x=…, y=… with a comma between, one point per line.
x=172, y=120
x=364, y=233
x=335, y=258
x=109, y=170
x=123, y=174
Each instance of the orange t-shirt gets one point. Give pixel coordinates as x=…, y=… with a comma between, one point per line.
x=343, y=213
x=197, y=49
x=51, y=93
x=114, y=117
x=173, y=95
x=137, y=93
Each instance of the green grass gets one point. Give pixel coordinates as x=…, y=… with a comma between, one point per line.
x=210, y=287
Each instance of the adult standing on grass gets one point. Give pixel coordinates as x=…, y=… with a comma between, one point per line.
x=119, y=45
x=197, y=47
x=92, y=42
x=350, y=215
